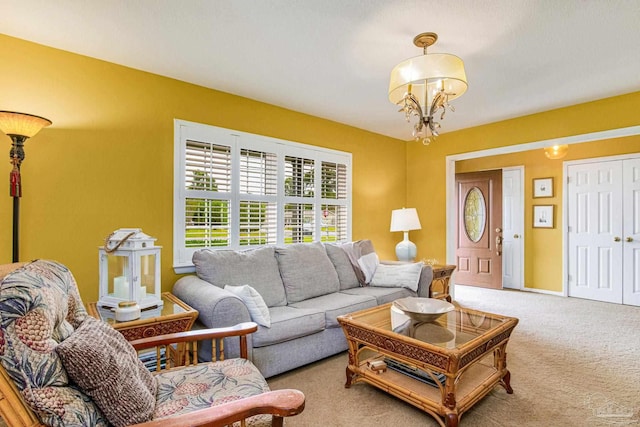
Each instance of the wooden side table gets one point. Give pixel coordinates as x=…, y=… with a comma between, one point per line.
x=173, y=316
x=440, y=283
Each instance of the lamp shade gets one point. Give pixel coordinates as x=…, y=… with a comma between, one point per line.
x=432, y=72
x=405, y=220
x=21, y=124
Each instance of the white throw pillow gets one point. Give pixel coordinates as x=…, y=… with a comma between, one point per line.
x=255, y=304
x=368, y=264
x=398, y=275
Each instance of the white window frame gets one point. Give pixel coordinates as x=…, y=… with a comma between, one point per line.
x=185, y=130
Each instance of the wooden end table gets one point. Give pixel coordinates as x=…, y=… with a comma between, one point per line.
x=440, y=283
x=174, y=316
x=442, y=367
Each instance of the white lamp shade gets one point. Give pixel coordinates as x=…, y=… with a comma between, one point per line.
x=405, y=220
x=433, y=72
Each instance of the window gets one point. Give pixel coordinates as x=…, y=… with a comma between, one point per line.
x=235, y=190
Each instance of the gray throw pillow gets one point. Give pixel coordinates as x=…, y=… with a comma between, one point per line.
x=306, y=271
x=106, y=367
x=255, y=267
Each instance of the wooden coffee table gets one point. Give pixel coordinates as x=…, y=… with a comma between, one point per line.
x=450, y=363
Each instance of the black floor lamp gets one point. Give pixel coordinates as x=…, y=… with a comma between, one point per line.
x=19, y=127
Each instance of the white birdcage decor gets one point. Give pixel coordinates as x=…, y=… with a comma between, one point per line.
x=129, y=269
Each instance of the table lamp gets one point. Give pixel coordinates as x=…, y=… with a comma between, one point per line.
x=405, y=220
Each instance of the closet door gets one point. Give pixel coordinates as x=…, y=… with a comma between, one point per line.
x=631, y=232
x=594, y=216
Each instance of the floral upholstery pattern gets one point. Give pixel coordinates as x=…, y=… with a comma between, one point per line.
x=201, y=386
x=39, y=307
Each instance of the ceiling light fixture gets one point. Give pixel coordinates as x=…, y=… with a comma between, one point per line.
x=424, y=84
x=556, y=152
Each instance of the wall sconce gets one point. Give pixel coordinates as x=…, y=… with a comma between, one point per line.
x=405, y=220
x=19, y=127
x=556, y=152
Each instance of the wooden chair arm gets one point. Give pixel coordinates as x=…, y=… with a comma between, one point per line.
x=197, y=335
x=280, y=403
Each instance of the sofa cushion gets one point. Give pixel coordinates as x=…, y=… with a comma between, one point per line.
x=255, y=267
x=186, y=389
x=382, y=295
x=105, y=366
x=337, y=304
x=340, y=259
x=398, y=275
x=289, y=323
x=306, y=271
x=258, y=310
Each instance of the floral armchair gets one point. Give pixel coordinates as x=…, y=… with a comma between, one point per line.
x=61, y=367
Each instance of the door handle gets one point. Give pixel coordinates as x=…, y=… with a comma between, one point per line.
x=629, y=239
x=516, y=236
x=498, y=245
x=616, y=239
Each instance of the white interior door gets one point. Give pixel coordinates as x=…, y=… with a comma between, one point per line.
x=594, y=218
x=513, y=228
x=631, y=232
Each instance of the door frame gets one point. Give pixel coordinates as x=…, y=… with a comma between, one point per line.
x=450, y=183
x=565, y=203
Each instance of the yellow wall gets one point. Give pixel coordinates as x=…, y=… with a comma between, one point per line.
x=107, y=160
x=543, y=247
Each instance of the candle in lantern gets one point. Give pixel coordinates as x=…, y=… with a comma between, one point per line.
x=121, y=287
x=143, y=292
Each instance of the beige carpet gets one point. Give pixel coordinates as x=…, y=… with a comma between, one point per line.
x=573, y=362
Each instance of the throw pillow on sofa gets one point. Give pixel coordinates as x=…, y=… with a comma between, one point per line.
x=398, y=275
x=255, y=304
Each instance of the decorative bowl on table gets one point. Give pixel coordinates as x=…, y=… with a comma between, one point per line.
x=423, y=309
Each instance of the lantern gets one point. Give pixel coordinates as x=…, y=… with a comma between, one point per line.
x=129, y=269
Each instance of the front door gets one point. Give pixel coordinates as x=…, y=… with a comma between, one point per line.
x=479, y=234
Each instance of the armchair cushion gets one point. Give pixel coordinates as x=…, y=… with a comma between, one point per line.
x=189, y=388
x=105, y=366
x=40, y=306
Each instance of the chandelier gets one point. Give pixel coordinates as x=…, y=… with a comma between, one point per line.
x=424, y=85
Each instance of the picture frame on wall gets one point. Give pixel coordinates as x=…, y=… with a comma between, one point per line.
x=543, y=216
x=542, y=187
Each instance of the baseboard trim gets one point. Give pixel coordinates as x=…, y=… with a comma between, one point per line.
x=544, y=291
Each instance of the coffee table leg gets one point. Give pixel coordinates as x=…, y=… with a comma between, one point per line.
x=350, y=376
x=451, y=420
x=506, y=382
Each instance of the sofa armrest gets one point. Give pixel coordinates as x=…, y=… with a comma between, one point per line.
x=426, y=277
x=216, y=306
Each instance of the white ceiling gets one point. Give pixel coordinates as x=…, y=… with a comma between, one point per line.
x=332, y=58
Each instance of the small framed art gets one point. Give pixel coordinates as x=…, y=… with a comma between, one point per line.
x=543, y=187
x=543, y=216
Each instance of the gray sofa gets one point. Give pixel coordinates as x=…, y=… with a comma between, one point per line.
x=305, y=286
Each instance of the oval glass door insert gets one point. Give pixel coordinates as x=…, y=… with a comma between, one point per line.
x=475, y=214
